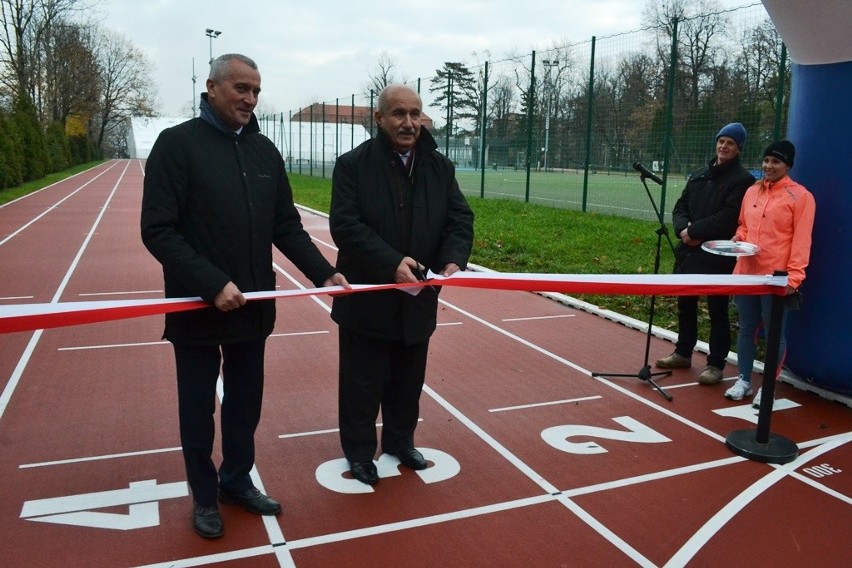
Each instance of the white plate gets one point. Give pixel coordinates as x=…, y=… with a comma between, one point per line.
x=731, y=248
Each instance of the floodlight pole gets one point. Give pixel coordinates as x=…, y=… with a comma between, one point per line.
x=548, y=63
x=193, y=87
x=212, y=34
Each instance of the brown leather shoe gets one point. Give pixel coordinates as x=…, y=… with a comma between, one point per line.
x=710, y=376
x=674, y=361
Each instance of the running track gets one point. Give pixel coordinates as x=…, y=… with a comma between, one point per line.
x=535, y=463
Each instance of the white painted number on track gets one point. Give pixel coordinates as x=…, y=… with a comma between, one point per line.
x=330, y=474
x=749, y=414
x=557, y=436
x=141, y=497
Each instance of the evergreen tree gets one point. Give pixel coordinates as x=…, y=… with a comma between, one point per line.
x=32, y=139
x=458, y=94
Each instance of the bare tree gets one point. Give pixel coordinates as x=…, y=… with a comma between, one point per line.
x=125, y=83
x=382, y=75
x=25, y=25
x=699, y=21
x=70, y=78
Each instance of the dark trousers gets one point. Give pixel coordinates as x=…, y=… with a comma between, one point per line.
x=720, y=328
x=378, y=374
x=242, y=378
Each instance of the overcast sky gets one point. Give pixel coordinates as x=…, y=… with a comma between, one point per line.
x=319, y=50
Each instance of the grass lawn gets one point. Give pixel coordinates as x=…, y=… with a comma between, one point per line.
x=513, y=236
x=13, y=193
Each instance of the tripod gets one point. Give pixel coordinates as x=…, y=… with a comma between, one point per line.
x=645, y=373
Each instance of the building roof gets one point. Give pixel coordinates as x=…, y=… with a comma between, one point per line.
x=345, y=114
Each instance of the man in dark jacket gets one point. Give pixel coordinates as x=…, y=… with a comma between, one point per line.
x=708, y=209
x=216, y=198
x=396, y=211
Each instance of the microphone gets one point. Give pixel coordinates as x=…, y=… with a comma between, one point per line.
x=646, y=173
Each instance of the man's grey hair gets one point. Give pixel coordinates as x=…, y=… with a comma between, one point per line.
x=219, y=69
x=382, y=105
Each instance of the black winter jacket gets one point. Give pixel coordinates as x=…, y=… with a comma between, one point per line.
x=213, y=205
x=378, y=216
x=710, y=207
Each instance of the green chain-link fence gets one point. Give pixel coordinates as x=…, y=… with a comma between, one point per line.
x=564, y=126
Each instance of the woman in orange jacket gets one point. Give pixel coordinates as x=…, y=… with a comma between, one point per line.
x=777, y=215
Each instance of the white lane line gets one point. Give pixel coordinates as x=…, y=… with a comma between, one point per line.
x=656, y=476
x=219, y=558
x=99, y=458
x=131, y=292
x=534, y=318
x=538, y=479
x=7, y=298
x=165, y=342
x=418, y=522
x=273, y=530
x=588, y=373
x=12, y=384
x=320, y=432
x=549, y=403
x=299, y=333
x=299, y=285
x=113, y=345
x=283, y=551
x=55, y=205
x=703, y=535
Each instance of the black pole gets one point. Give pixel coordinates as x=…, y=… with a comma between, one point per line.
x=590, y=115
x=482, y=125
x=760, y=444
x=530, y=104
x=645, y=373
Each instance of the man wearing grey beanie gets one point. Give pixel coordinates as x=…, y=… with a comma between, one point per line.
x=708, y=210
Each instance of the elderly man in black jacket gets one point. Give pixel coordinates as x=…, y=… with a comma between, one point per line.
x=396, y=211
x=708, y=209
x=216, y=198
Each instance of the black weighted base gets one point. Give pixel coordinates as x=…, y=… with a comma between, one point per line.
x=777, y=449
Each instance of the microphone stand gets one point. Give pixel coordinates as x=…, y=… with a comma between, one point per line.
x=645, y=373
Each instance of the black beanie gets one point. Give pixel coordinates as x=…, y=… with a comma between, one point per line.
x=783, y=150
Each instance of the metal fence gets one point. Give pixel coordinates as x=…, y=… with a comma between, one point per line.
x=565, y=126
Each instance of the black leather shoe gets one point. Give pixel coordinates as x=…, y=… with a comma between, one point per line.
x=411, y=458
x=252, y=500
x=365, y=472
x=207, y=522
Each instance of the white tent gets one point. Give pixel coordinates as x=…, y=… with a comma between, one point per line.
x=317, y=142
x=303, y=142
x=143, y=133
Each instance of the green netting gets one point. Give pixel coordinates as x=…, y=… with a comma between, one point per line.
x=564, y=126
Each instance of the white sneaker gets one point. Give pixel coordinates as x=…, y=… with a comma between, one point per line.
x=755, y=402
x=740, y=389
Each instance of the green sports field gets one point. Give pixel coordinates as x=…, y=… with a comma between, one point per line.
x=610, y=193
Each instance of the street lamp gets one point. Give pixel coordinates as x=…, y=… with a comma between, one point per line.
x=548, y=63
x=212, y=34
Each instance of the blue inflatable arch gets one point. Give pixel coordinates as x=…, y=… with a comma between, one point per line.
x=818, y=39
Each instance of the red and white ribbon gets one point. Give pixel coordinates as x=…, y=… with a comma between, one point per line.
x=27, y=317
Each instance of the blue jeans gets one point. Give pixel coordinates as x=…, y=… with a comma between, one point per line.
x=753, y=312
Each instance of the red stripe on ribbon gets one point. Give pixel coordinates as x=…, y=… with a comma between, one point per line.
x=27, y=317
